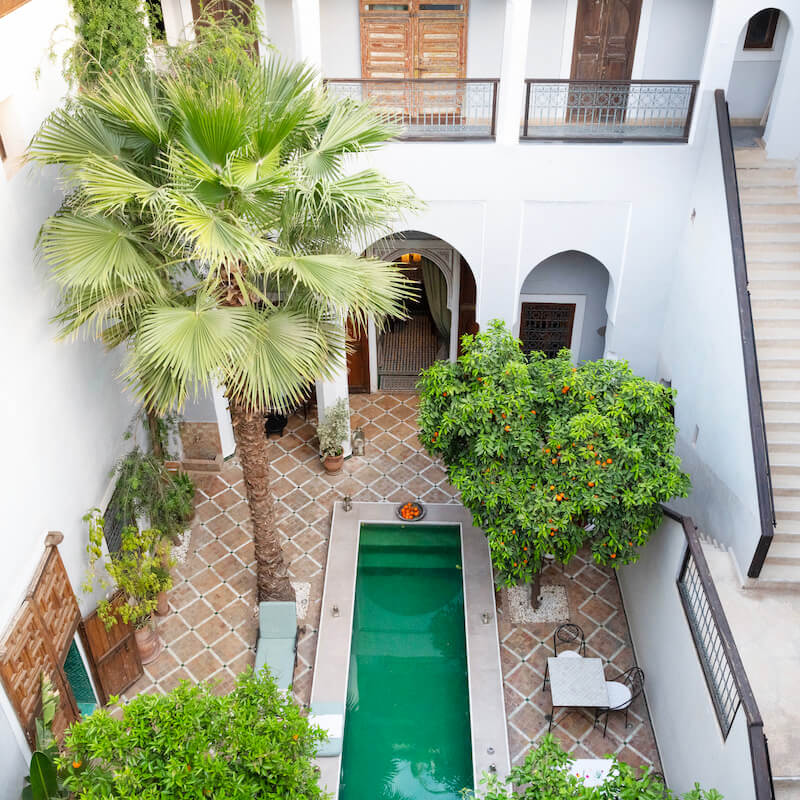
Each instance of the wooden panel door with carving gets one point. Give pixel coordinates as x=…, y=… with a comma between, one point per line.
x=605, y=39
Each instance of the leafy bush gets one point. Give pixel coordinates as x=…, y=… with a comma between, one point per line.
x=544, y=776
x=550, y=457
x=332, y=431
x=140, y=570
x=251, y=744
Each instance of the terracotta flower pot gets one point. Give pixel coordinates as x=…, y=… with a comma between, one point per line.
x=148, y=642
x=162, y=609
x=333, y=463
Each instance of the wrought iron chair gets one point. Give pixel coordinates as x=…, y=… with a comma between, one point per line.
x=623, y=689
x=567, y=634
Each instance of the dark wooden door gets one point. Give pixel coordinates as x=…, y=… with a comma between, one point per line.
x=113, y=655
x=605, y=39
x=357, y=358
x=467, y=296
x=546, y=327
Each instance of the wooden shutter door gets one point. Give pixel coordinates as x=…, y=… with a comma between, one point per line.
x=440, y=46
x=386, y=47
x=114, y=657
x=605, y=39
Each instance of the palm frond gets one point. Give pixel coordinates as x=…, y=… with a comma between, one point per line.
x=70, y=136
x=108, y=186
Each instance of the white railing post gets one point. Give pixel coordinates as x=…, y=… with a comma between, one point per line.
x=512, y=71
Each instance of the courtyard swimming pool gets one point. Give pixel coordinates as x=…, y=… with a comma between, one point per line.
x=407, y=725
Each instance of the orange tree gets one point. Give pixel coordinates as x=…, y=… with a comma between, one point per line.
x=550, y=457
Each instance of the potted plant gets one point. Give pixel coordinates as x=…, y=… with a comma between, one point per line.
x=332, y=432
x=140, y=570
x=147, y=489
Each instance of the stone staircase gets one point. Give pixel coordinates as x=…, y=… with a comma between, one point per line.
x=770, y=202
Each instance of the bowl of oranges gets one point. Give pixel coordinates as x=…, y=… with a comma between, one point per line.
x=411, y=511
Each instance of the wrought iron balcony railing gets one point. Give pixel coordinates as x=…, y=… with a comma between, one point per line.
x=429, y=109
x=608, y=111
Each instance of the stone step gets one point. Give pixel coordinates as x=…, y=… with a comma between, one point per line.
x=784, y=455
x=777, y=329
x=767, y=175
x=770, y=347
x=768, y=194
x=787, y=530
x=754, y=157
x=775, y=308
x=770, y=212
x=777, y=370
x=771, y=232
x=787, y=788
x=781, y=412
x=787, y=553
x=772, y=270
x=772, y=251
x=782, y=385
x=774, y=289
x=778, y=573
x=783, y=432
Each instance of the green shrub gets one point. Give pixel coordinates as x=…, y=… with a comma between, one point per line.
x=543, y=776
x=251, y=744
x=550, y=457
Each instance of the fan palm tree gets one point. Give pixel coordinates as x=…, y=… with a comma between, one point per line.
x=208, y=227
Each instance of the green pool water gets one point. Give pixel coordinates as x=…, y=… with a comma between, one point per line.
x=407, y=732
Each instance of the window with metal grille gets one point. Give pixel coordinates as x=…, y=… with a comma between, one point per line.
x=116, y=519
x=718, y=673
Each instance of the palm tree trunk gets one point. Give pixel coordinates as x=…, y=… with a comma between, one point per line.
x=272, y=576
x=155, y=435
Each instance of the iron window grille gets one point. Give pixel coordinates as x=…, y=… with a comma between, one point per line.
x=115, y=520
x=708, y=642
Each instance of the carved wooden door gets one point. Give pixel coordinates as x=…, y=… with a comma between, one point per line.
x=113, y=654
x=357, y=358
x=605, y=39
x=546, y=327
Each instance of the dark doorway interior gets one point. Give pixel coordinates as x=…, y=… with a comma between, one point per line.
x=410, y=345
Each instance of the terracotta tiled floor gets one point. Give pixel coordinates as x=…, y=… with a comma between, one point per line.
x=211, y=629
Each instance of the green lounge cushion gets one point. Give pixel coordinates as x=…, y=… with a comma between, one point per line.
x=278, y=655
x=329, y=717
x=277, y=619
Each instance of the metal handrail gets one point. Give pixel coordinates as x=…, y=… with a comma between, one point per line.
x=614, y=110
x=759, y=751
x=425, y=119
x=755, y=404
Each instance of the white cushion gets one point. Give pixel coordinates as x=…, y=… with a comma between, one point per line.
x=619, y=695
x=332, y=724
x=569, y=654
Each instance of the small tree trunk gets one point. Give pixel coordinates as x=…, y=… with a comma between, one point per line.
x=155, y=435
x=536, y=589
x=251, y=444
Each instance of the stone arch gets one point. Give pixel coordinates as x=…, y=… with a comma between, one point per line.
x=569, y=290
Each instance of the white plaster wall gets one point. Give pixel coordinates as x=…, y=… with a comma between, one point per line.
x=505, y=209
x=700, y=352
x=754, y=74
x=63, y=411
x=280, y=27
x=546, y=38
x=485, y=38
x=341, y=38
x=687, y=732
x=676, y=39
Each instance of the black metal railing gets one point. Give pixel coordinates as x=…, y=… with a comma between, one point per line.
x=608, y=111
x=755, y=404
x=429, y=109
x=722, y=665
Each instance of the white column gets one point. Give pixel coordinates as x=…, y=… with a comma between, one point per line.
x=455, y=266
x=512, y=71
x=226, y=438
x=332, y=389
x=307, y=42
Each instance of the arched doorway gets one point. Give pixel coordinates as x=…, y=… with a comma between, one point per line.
x=756, y=65
x=563, y=304
x=443, y=311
